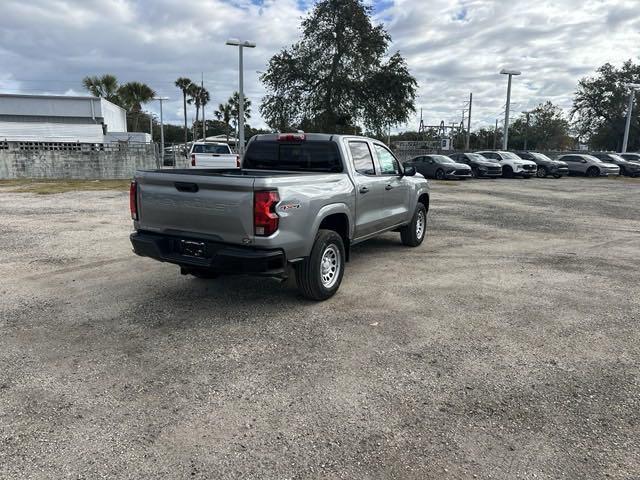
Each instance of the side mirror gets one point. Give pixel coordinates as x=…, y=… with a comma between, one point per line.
x=409, y=171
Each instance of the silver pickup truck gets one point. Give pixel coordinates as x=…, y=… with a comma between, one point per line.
x=299, y=202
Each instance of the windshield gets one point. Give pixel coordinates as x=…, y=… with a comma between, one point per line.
x=477, y=157
x=540, y=156
x=592, y=158
x=617, y=158
x=207, y=148
x=510, y=155
x=442, y=159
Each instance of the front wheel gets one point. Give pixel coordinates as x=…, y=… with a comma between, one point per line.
x=593, y=172
x=439, y=174
x=507, y=171
x=413, y=234
x=557, y=176
x=319, y=276
x=475, y=172
x=541, y=173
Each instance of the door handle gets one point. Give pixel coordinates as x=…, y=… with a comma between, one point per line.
x=364, y=189
x=388, y=187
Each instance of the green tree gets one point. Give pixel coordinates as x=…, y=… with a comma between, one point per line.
x=194, y=99
x=224, y=114
x=600, y=107
x=204, y=100
x=546, y=129
x=234, y=103
x=183, y=84
x=133, y=95
x=105, y=86
x=336, y=76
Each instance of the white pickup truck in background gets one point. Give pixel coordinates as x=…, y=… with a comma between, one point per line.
x=212, y=155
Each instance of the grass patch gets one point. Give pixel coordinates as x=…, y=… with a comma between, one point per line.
x=48, y=187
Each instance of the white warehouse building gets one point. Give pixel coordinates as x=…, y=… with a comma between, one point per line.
x=58, y=118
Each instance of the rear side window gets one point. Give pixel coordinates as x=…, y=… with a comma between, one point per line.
x=362, y=159
x=221, y=149
x=311, y=156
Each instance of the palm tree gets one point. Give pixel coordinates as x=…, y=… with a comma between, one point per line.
x=224, y=114
x=204, y=99
x=105, y=86
x=183, y=84
x=234, y=101
x=134, y=95
x=194, y=99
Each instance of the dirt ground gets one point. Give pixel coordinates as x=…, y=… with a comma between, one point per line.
x=507, y=346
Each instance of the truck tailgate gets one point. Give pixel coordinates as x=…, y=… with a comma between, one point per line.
x=215, y=207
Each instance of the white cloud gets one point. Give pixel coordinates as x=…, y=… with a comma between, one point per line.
x=452, y=47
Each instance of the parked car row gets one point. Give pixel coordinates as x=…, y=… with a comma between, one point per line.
x=525, y=164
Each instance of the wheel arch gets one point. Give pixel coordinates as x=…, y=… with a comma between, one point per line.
x=336, y=217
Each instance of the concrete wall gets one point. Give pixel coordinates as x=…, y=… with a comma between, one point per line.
x=65, y=164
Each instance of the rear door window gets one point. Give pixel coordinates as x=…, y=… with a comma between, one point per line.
x=362, y=158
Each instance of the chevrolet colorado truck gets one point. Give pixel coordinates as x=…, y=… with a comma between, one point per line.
x=299, y=202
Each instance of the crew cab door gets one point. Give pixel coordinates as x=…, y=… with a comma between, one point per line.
x=397, y=188
x=370, y=190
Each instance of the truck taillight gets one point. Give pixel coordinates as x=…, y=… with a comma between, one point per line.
x=193, y=159
x=265, y=218
x=133, y=200
x=238, y=161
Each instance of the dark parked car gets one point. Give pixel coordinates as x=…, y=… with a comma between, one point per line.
x=480, y=166
x=632, y=157
x=440, y=167
x=630, y=169
x=546, y=166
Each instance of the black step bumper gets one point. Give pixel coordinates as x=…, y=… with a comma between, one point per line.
x=215, y=256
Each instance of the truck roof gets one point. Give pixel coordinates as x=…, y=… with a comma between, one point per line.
x=318, y=137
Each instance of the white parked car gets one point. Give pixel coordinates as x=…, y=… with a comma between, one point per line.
x=212, y=155
x=512, y=164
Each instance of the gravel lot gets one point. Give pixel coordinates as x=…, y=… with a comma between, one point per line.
x=506, y=346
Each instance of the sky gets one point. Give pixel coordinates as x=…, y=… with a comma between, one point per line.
x=453, y=47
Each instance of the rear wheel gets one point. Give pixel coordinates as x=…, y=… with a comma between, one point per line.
x=541, y=173
x=440, y=174
x=507, y=171
x=593, y=172
x=319, y=276
x=413, y=234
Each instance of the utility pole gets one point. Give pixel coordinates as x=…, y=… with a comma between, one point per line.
x=505, y=138
x=466, y=143
x=632, y=88
x=161, y=99
x=240, y=45
x=204, y=132
x=526, y=130
x=495, y=135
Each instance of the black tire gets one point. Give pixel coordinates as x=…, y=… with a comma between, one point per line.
x=507, y=171
x=309, y=273
x=542, y=172
x=623, y=171
x=593, y=172
x=475, y=172
x=557, y=176
x=439, y=174
x=410, y=234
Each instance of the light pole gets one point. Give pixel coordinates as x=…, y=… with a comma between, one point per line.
x=632, y=89
x=511, y=73
x=161, y=99
x=240, y=44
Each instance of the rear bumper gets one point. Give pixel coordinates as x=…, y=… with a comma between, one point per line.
x=216, y=257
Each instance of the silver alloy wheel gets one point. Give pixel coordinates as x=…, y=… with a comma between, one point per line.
x=420, y=225
x=330, y=266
